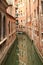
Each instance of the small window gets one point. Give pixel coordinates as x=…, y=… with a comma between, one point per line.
x=21, y=10
x=37, y=33
x=21, y=20
x=38, y=10
x=17, y=22
x=34, y=13
x=9, y=27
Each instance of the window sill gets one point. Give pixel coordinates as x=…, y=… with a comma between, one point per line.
x=3, y=40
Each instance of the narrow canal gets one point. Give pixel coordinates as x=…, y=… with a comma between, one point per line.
x=30, y=56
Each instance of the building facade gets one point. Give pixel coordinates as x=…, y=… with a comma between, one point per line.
x=35, y=26
x=21, y=13
x=7, y=30
x=21, y=19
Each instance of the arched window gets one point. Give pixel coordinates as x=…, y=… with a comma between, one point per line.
x=0, y=25
x=4, y=27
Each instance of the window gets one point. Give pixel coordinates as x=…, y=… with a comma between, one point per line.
x=42, y=35
x=38, y=10
x=34, y=13
x=9, y=27
x=17, y=22
x=0, y=26
x=4, y=27
x=21, y=20
x=37, y=33
x=42, y=6
x=21, y=10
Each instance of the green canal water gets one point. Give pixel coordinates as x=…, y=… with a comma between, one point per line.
x=32, y=56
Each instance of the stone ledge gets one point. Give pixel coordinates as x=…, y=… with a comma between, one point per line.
x=5, y=52
x=38, y=52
